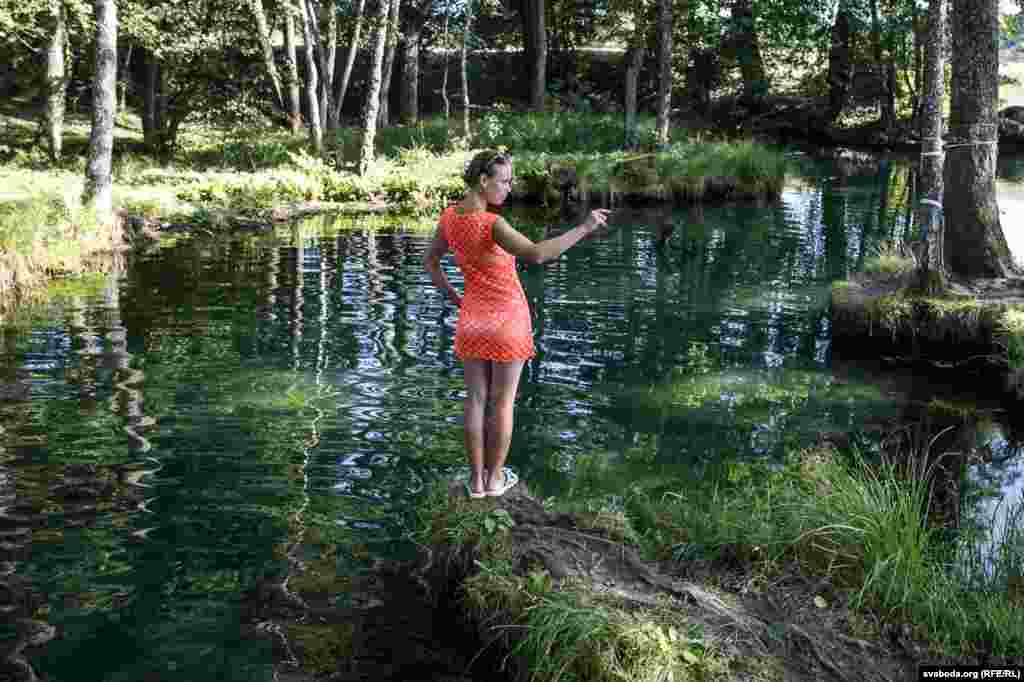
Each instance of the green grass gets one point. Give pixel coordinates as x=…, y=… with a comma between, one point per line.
x=861, y=524
x=44, y=235
x=251, y=171
x=1012, y=328
x=886, y=259
x=558, y=633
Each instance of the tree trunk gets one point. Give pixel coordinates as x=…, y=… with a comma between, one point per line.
x=840, y=63
x=263, y=31
x=634, y=62
x=124, y=79
x=104, y=102
x=920, y=29
x=974, y=245
x=292, y=68
x=384, y=114
x=536, y=50
x=444, y=73
x=886, y=114
x=372, y=101
x=889, y=101
x=748, y=53
x=664, y=103
x=409, y=101
x=341, y=86
x=56, y=81
x=152, y=102
x=328, y=58
x=464, y=62
x=316, y=135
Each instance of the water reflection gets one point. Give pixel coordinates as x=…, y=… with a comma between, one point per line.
x=226, y=396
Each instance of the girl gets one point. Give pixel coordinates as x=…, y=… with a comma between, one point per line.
x=494, y=334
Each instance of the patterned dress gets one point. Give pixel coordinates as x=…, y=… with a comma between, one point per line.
x=494, y=319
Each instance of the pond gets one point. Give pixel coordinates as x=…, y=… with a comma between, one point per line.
x=173, y=434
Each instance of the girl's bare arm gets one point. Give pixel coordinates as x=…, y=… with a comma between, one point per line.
x=520, y=246
x=432, y=262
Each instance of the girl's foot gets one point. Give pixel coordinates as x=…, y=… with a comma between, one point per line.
x=507, y=479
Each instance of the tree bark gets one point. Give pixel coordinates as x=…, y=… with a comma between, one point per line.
x=444, y=73
x=664, y=103
x=409, y=101
x=974, y=245
x=389, y=62
x=292, y=68
x=56, y=81
x=748, y=53
x=152, y=103
x=316, y=136
x=98, y=183
x=341, y=85
x=263, y=31
x=328, y=59
x=634, y=62
x=464, y=63
x=536, y=50
x=840, y=63
x=931, y=267
x=372, y=101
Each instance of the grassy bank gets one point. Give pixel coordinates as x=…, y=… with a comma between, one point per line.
x=220, y=177
x=863, y=526
x=859, y=525
x=44, y=236
x=561, y=630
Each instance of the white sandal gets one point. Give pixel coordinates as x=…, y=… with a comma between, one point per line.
x=509, y=481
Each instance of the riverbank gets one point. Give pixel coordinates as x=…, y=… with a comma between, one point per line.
x=978, y=330
x=258, y=178
x=821, y=569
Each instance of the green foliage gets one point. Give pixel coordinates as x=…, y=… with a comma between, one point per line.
x=886, y=259
x=1011, y=326
x=863, y=524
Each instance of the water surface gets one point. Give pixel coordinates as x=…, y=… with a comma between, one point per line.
x=171, y=433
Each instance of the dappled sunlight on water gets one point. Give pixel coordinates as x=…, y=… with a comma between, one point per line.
x=171, y=439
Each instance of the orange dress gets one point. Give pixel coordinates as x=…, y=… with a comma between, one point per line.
x=494, y=319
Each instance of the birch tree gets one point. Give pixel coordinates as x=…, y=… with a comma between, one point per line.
x=326, y=47
x=464, y=64
x=56, y=80
x=291, y=68
x=104, y=103
x=389, y=62
x=372, y=102
x=267, y=49
x=664, y=70
x=316, y=135
x=341, y=85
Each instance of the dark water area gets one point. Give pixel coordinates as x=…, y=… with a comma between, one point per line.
x=172, y=433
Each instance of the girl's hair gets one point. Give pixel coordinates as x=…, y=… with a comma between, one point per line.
x=484, y=162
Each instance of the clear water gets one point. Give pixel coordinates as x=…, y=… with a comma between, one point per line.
x=170, y=432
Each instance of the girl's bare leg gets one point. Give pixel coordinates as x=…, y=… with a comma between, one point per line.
x=502, y=395
x=478, y=378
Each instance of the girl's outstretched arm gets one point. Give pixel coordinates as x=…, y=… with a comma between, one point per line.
x=432, y=262
x=520, y=246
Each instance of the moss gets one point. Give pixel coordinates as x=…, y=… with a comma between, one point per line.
x=952, y=409
x=320, y=576
x=319, y=648
x=891, y=311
